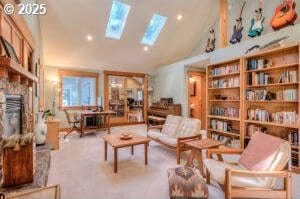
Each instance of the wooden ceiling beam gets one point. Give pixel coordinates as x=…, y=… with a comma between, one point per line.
x=223, y=24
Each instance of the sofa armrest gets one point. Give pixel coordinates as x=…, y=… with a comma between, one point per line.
x=182, y=140
x=264, y=174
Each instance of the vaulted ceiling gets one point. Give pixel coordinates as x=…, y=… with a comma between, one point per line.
x=67, y=22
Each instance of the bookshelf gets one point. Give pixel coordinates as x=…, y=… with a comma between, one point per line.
x=271, y=96
x=268, y=97
x=224, y=102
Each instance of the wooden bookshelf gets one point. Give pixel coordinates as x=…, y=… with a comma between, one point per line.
x=277, y=77
x=232, y=99
x=272, y=65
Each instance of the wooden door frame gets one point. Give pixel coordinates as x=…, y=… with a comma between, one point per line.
x=107, y=73
x=190, y=73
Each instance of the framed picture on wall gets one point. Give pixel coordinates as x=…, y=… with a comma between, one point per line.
x=9, y=50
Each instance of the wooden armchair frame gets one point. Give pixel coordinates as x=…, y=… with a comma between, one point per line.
x=181, y=146
x=73, y=119
x=239, y=192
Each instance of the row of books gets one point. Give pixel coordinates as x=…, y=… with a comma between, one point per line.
x=234, y=68
x=259, y=79
x=254, y=64
x=295, y=158
x=288, y=76
x=225, y=83
x=220, y=125
x=226, y=112
x=230, y=142
x=282, y=117
x=294, y=138
x=265, y=95
x=258, y=115
x=252, y=128
x=286, y=117
x=287, y=95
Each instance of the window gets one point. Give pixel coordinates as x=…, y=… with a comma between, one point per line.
x=78, y=88
x=156, y=24
x=117, y=20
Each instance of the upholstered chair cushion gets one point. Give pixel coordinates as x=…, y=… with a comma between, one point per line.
x=155, y=134
x=217, y=172
x=260, y=152
x=168, y=140
x=185, y=182
x=171, y=125
x=188, y=127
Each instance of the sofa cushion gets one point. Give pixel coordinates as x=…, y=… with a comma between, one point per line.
x=155, y=134
x=171, y=125
x=260, y=152
x=217, y=171
x=185, y=182
x=188, y=127
x=169, y=140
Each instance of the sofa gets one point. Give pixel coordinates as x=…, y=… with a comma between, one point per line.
x=175, y=132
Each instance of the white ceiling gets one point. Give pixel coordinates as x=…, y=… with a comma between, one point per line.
x=67, y=23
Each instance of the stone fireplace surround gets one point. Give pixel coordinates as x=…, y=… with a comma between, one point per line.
x=14, y=88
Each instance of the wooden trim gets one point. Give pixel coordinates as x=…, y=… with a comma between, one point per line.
x=74, y=73
x=31, y=191
x=223, y=24
x=127, y=74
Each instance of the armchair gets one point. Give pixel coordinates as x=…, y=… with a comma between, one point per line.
x=262, y=163
x=74, y=120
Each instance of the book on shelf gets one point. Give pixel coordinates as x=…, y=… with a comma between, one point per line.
x=287, y=95
x=223, y=70
x=295, y=158
x=258, y=115
x=252, y=128
x=225, y=112
x=259, y=79
x=288, y=76
x=225, y=83
x=228, y=141
x=293, y=137
x=255, y=64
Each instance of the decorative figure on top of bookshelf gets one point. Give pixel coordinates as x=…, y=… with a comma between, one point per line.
x=272, y=44
x=210, y=46
x=238, y=28
x=256, y=27
x=285, y=15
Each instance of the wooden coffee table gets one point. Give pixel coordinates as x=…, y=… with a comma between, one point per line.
x=116, y=142
x=196, y=153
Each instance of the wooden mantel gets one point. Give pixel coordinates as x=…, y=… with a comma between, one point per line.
x=10, y=68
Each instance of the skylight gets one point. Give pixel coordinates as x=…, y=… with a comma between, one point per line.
x=155, y=26
x=117, y=19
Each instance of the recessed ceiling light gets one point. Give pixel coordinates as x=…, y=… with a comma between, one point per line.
x=146, y=48
x=89, y=37
x=179, y=17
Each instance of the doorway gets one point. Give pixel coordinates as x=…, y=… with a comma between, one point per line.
x=126, y=95
x=197, y=96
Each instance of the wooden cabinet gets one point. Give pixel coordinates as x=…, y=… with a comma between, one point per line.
x=52, y=137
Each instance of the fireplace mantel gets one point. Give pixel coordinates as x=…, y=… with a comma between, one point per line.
x=14, y=71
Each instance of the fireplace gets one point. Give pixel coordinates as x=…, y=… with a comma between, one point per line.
x=14, y=115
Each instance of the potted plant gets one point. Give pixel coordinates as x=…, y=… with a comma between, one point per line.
x=47, y=115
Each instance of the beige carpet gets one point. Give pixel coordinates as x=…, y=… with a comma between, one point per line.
x=80, y=169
